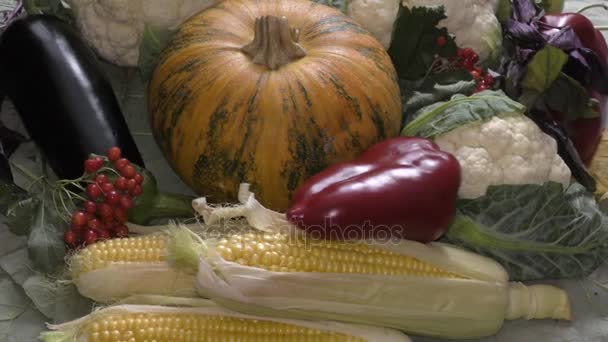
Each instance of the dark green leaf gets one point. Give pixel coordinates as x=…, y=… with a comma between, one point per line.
x=414, y=44
x=541, y=72
x=152, y=43
x=569, y=98
x=50, y=7
x=442, y=117
x=57, y=300
x=340, y=5
x=20, y=216
x=45, y=243
x=535, y=231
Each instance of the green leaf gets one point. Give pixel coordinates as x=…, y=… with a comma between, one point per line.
x=50, y=7
x=568, y=97
x=20, y=216
x=57, y=300
x=45, y=243
x=340, y=5
x=534, y=231
x=12, y=301
x=442, y=117
x=152, y=43
x=541, y=72
x=417, y=99
x=414, y=45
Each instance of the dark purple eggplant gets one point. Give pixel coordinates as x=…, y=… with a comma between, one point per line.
x=66, y=103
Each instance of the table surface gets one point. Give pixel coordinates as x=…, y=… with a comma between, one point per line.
x=589, y=298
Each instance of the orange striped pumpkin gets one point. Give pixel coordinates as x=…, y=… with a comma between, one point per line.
x=269, y=92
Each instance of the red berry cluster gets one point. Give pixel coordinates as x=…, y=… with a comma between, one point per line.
x=467, y=59
x=113, y=184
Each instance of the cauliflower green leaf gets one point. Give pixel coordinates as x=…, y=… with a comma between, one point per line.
x=442, y=117
x=535, y=231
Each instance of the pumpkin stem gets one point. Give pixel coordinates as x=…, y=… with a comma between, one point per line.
x=275, y=43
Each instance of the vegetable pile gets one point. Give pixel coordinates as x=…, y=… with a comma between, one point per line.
x=399, y=168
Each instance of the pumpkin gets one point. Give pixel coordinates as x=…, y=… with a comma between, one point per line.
x=269, y=92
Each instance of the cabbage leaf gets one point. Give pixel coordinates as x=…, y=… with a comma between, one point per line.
x=534, y=231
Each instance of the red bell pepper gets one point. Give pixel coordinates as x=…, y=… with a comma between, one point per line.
x=584, y=133
x=400, y=188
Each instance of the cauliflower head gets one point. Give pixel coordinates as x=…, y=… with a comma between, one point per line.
x=504, y=150
x=377, y=16
x=472, y=22
x=114, y=27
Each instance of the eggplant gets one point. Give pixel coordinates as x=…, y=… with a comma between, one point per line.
x=66, y=103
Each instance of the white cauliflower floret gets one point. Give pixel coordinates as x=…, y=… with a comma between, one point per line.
x=472, y=22
x=504, y=150
x=114, y=27
x=377, y=16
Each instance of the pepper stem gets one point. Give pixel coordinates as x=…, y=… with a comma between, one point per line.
x=275, y=43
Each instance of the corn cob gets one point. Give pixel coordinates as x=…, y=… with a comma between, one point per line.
x=434, y=289
x=205, y=323
x=114, y=269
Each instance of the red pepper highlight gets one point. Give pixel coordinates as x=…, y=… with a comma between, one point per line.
x=402, y=188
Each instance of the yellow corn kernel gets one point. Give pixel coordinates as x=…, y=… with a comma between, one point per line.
x=149, y=249
x=177, y=327
x=287, y=253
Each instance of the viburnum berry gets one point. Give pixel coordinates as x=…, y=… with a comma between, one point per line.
x=468, y=64
x=70, y=238
x=476, y=74
x=113, y=154
x=120, y=183
x=107, y=187
x=131, y=183
x=126, y=202
x=128, y=171
x=488, y=80
x=79, y=219
x=121, y=230
x=441, y=41
x=101, y=179
x=137, y=190
x=104, y=210
x=121, y=163
x=139, y=178
x=76, y=229
x=103, y=235
x=90, y=216
x=93, y=191
x=94, y=224
x=120, y=215
x=90, y=166
x=112, y=197
x=90, y=207
x=90, y=236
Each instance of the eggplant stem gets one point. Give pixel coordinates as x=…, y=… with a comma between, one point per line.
x=591, y=7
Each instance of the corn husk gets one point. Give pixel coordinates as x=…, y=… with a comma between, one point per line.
x=474, y=305
x=72, y=331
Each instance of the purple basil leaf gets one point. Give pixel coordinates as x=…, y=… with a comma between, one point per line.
x=524, y=35
x=565, y=39
x=578, y=68
x=598, y=71
x=524, y=55
x=524, y=10
x=513, y=77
